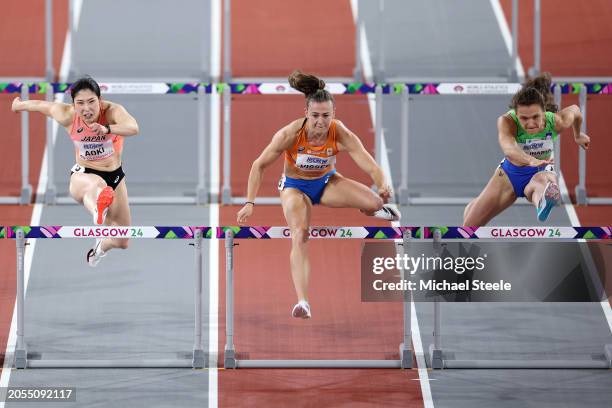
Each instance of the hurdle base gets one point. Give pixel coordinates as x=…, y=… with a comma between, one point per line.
x=50, y=195
x=226, y=196
x=403, y=196
x=229, y=361
x=527, y=364
x=436, y=358
x=317, y=364
x=601, y=361
x=199, y=359
x=581, y=197
x=145, y=363
x=202, y=196
x=26, y=194
x=21, y=358
x=195, y=359
x=405, y=356
x=608, y=353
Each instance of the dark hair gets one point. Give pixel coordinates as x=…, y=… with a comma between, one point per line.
x=536, y=91
x=311, y=86
x=86, y=82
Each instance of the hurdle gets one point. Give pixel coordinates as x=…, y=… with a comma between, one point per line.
x=23, y=359
x=583, y=87
x=402, y=236
x=439, y=359
x=200, y=92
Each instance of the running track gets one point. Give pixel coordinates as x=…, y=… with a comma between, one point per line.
x=254, y=55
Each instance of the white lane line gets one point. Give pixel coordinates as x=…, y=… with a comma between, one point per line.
x=213, y=214
x=507, y=36
x=415, y=331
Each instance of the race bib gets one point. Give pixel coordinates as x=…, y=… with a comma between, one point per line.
x=309, y=162
x=538, y=148
x=94, y=147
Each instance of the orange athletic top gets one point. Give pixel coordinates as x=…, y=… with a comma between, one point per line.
x=91, y=147
x=312, y=161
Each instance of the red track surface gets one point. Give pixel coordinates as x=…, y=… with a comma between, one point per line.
x=575, y=36
x=342, y=326
x=21, y=38
x=272, y=37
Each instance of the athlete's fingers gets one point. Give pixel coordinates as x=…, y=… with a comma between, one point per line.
x=98, y=128
x=384, y=194
x=15, y=103
x=242, y=215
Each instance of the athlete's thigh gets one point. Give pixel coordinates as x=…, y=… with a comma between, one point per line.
x=296, y=208
x=497, y=195
x=119, y=210
x=81, y=183
x=342, y=192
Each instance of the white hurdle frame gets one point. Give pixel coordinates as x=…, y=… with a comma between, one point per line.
x=438, y=360
x=135, y=88
x=21, y=360
x=231, y=360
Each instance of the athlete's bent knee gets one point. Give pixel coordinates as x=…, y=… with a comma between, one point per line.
x=374, y=204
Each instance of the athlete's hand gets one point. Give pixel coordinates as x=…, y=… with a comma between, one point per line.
x=533, y=162
x=16, y=105
x=244, y=213
x=583, y=141
x=385, y=193
x=100, y=130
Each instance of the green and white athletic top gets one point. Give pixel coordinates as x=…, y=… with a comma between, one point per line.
x=539, y=145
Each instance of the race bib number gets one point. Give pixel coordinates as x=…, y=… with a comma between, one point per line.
x=77, y=169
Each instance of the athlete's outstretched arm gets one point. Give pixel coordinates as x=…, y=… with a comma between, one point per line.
x=506, y=129
x=61, y=112
x=281, y=141
x=572, y=117
x=349, y=142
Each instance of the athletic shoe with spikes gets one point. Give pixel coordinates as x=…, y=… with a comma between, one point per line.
x=104, y=200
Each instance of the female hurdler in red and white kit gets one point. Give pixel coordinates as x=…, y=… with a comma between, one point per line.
x=97, y=128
